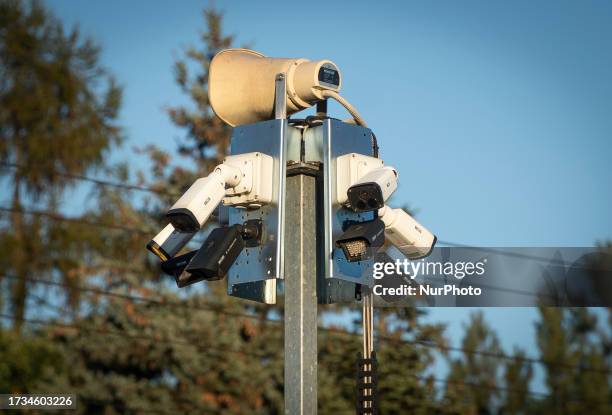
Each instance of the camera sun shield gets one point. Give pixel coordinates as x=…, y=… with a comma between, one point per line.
x=168, y=242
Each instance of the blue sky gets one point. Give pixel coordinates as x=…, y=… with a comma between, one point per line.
x=497, y=115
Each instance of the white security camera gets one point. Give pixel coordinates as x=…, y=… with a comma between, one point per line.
x=372, y=190
x=169, y=242
x=363, y=182
x=410, y=237
x=248, y=178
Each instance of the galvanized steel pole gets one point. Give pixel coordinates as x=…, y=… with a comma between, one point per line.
x=300, y=296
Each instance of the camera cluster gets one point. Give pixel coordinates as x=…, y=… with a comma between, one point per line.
x=242, y=180
x=364, y=184
x=243, y=90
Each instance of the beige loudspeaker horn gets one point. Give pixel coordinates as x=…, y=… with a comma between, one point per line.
x=241, y=84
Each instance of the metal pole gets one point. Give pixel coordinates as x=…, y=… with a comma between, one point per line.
x=300, y=296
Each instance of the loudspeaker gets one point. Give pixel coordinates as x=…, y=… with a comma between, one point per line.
x=241, y=84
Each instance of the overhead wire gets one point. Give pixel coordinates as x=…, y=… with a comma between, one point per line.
x=223, y=350
x=386, y=338
x=126, y=186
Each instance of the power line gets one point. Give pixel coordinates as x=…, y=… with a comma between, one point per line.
x=126, y=186
x=124, y=334
x=504, y=253
x=61, y=218
x=541, y=395
x=215, y=309
x=149, y=300
x=58, y=217
x=221, y=351
x=119, y=227
x=165, y=193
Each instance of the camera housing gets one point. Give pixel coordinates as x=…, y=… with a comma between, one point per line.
x=175, y=266
x=410, y=237
x=216, y=255
x=169, y=242
x=196, y=205
x=363, y=182
x=359, y=239
x=373, y=189
x=248, y=178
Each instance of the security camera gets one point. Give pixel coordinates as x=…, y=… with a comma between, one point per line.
x=169, y=242
x=372, y=190
x=176, y=266
x=248, y=178
x=363, y=182
x=410, y=237
x=360, y=239
x=216, y=255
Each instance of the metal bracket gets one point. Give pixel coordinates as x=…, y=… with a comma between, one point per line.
x=261, y=265
x=339, y=138
x=280, y=97
x=309, y=169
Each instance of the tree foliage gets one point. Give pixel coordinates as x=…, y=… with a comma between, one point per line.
x=147, y=347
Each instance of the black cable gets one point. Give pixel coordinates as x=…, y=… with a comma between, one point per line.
x=375, y=148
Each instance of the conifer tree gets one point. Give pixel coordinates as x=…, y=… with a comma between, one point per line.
x=473, y=384
x=58, y=110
